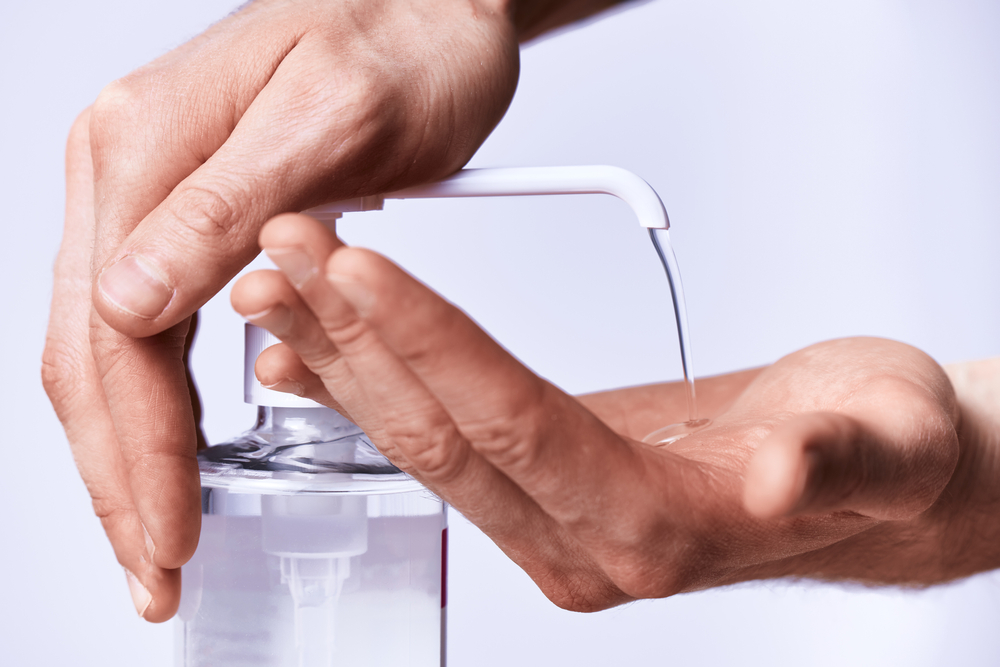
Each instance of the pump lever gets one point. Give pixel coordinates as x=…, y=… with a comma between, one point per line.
x=521, y=181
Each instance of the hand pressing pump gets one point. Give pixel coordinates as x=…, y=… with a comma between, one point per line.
x=315, y=549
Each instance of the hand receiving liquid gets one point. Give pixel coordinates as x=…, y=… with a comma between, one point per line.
x=850, y=459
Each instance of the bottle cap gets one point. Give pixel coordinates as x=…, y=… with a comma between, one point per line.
x=256, y=341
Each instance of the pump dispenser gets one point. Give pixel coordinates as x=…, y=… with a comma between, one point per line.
x=316, y=551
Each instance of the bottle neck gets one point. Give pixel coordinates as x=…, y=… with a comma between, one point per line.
x=303, y=425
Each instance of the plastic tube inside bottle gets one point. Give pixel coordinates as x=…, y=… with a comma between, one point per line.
x=315, y=537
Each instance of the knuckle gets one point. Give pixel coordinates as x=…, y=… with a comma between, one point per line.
x=434, y=449
x=511, y=435
x=365, y=110
x=111, y=512
x=328, y=364
x=361, y=90
x=641, y=578
x=647, y=558
x=351, y=335
x=357, y=96
x=430, y=324
x=206, y=212
x=116, y=104
x=358, y=90
x=506, y=447
x=581, y=593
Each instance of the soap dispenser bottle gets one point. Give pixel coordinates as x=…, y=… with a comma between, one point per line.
x=315, y=550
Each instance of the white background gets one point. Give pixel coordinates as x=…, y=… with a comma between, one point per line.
x=831, y=168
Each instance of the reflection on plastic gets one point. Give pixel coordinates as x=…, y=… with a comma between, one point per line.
x=312, y=568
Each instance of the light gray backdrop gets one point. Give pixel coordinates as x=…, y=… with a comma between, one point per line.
x=831, y=168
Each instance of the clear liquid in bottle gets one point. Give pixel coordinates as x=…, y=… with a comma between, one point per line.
x=315, y=551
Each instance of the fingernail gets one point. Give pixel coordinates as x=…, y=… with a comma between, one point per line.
x=286, y=386
x=254, y=317
x=140, y=595
x=134, y=285
x=356, y=294
x=150, y=547
x=295, y=263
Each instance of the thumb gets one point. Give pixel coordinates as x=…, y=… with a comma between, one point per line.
x=825, y=462
x=298, y=144
x=205, y=230
x=187, y=249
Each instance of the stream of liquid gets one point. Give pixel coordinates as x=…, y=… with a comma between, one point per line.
x=674, y=432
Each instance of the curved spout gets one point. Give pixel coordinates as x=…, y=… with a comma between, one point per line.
x=515, y=181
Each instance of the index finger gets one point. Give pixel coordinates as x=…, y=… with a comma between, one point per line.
x=74, y=387
x=146, y=385
x=559, y=453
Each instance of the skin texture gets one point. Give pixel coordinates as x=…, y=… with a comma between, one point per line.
x=286, y=104
x=849, y=460
x=170, y=174
x=283, y=105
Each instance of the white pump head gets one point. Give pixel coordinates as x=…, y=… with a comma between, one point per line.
x=521, y=181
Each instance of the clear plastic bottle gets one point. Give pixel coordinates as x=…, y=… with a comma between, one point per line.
x=315, y=550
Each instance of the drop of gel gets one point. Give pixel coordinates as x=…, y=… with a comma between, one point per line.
x=674, y=432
